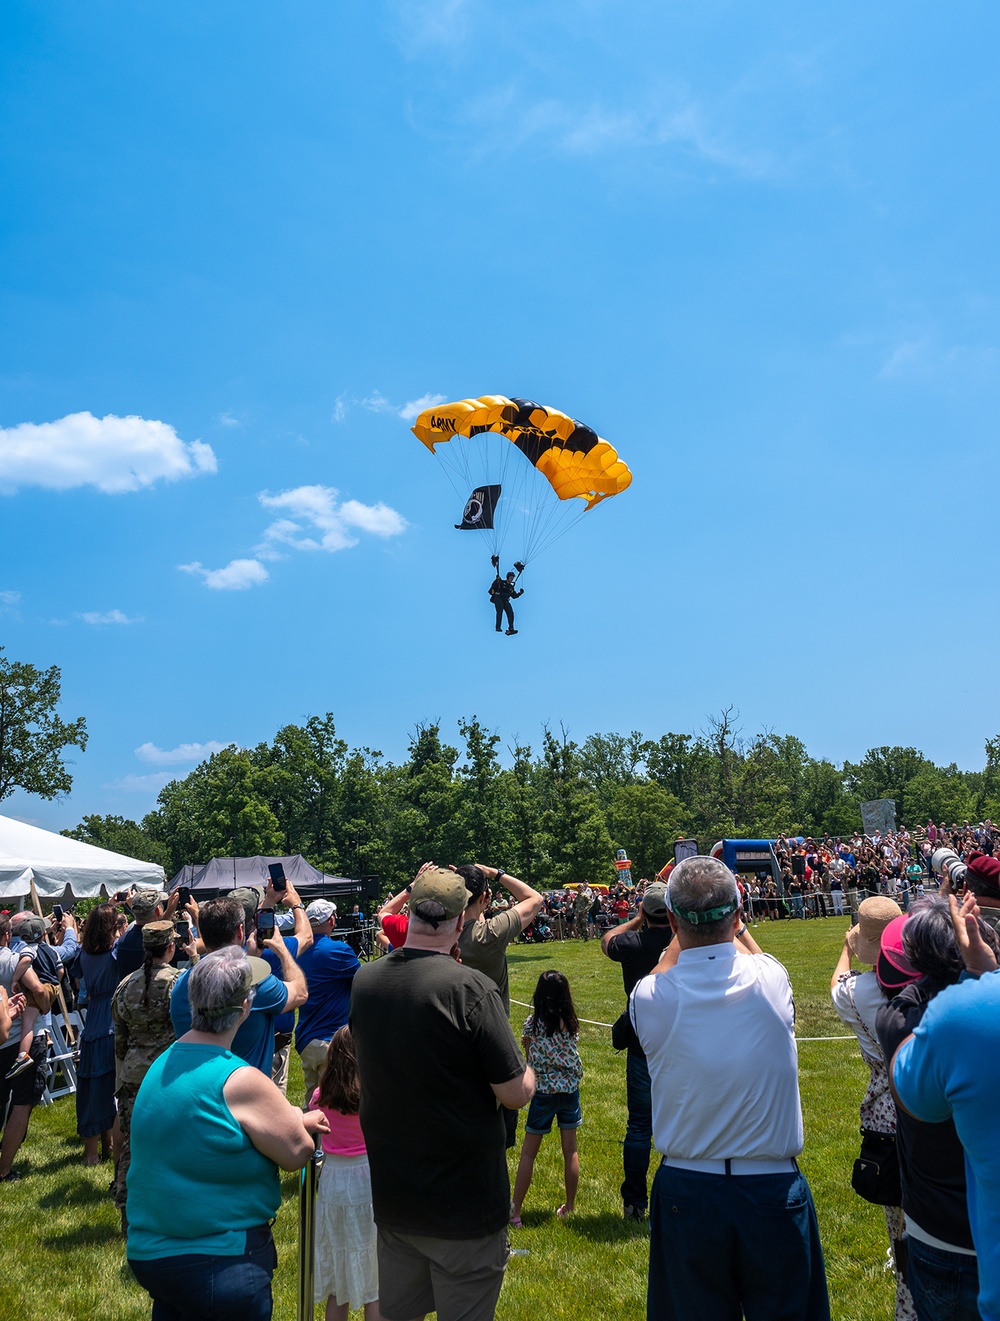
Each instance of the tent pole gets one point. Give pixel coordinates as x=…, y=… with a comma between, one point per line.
x=70, y=1032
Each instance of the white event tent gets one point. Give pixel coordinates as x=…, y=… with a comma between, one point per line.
x=61, y=867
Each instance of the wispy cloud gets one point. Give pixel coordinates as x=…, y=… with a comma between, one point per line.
x=422, y=23
x=10, y=598
x=108, y=617
x=377, y=403
x=114, y=454
x=228, y=419
x=236, y=576
x=508, y=121
x=183, y=754
x=922, y=357
x=142, y=784
x=339, y=410
x=316, y=519
x=9, y=602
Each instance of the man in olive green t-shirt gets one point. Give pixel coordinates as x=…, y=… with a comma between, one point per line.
x=484, y=940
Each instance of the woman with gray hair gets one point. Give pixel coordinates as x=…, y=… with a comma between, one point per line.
x=209, y=1135
x=943, y=1268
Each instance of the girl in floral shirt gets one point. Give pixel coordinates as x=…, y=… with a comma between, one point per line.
x=550, y=1041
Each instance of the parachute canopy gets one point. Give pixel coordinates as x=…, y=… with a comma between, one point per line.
x=539, y=455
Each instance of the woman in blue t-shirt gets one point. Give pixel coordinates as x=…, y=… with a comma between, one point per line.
x=209, y=1135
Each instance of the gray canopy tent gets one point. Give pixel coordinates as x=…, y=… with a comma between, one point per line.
x=220, y=876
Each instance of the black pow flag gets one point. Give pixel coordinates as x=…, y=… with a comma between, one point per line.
x=478, y=511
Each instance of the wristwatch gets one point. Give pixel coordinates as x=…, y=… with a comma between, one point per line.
x=294, y=906
x=500, y=872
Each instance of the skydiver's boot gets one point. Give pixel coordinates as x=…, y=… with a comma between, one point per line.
x=511, y=632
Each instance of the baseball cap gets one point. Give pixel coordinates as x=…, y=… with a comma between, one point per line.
x=320, y=911
x=30, y=929
x=251, y=897
x=654, y=901
x=443, y=887
x=157, y=935
x=258, y=972
x=893, y=968
x=144, y=902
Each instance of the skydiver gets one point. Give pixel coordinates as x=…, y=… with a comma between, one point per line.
x=502, y=592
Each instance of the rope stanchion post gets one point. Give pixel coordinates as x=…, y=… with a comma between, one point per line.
x=308, y=1179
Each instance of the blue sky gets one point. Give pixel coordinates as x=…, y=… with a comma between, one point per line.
x=753, y=246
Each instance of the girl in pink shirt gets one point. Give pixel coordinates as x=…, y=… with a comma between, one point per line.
x=346, y=1264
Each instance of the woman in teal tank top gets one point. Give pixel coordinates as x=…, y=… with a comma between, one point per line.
x=209, y=1135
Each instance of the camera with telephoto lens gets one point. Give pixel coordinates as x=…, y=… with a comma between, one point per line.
x=947, y=863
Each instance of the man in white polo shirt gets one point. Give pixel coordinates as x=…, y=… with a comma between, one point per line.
x=732, y=1221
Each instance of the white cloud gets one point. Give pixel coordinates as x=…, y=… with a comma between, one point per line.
x=317, y=520
x=183, y=754
x=107, y=617
x=682, y=122
x=234, y=577
x=377, y=403
x=142, y=784
x=409, y=412
x=9, y=598
x=431, y=22
x=115, y=454
x=228, y=419
x=339, y=409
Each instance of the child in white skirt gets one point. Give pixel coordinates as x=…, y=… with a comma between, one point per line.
x=346, y=1262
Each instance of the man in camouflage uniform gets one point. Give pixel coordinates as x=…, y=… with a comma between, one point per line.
x=140, y=1009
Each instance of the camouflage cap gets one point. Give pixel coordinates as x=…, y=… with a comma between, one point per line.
x=144, y=903
x=157, y=935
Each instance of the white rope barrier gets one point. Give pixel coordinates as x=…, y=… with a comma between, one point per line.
x=594, y=1023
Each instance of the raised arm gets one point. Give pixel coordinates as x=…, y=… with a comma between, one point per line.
x=843, y=965
x=527, y=902
x=633, y=924
x=291, y=974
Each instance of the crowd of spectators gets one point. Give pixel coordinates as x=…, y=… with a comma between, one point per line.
x=154, y=1026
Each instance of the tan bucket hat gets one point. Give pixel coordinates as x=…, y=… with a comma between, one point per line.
x=874, y=915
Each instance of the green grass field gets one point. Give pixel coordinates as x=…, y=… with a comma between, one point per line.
x=64, y=1257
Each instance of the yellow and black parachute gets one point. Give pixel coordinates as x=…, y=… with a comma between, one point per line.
x=550, y=468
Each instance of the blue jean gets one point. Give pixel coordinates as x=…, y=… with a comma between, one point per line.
x=944, y=1285
x=639, y=1131
x=722, y=1247
x=196, y=1287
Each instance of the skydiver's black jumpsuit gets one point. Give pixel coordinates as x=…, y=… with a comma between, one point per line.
x=501, y=594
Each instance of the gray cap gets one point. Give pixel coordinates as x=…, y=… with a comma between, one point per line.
x=251, y=897
x=654, y=901
x=320, y=911
x=30, y=929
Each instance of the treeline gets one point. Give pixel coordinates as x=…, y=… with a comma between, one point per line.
x=551, y=815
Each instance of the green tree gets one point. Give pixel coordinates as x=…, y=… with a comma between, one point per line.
x=120, y=835
x=575, y=844
x=219, y=810
x=33, y=736
x=426, y=796
x=645, y=820
x=885, y=773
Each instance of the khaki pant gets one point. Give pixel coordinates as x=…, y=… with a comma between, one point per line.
x=313, y=1060
x=460, y=1279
